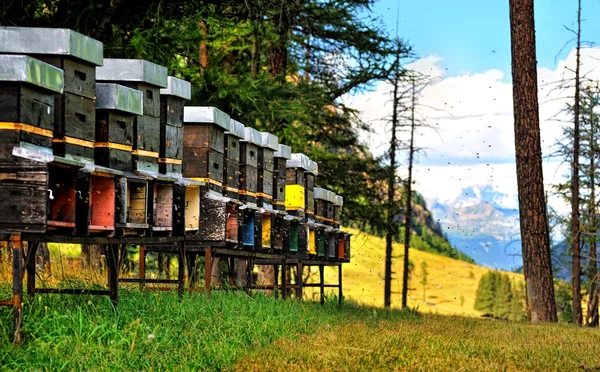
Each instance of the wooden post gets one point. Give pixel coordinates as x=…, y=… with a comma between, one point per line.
x=299, y=280
x=192, y=270
x=231, y=271
x=17, y=247
x=284, y=278
x=322, y=282
x=341, y=293
x=142, y=266
x=30, y=267
x=208, y=270
x=181, y=269
x=112, y=254
x=275, y=279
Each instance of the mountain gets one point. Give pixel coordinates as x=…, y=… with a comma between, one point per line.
x=483, y=223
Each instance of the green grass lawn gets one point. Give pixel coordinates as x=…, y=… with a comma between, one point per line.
x=155, y=331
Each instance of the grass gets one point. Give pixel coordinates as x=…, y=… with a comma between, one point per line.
x=233, y=331
x=451, y=287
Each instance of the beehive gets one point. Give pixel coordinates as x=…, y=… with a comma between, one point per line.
x=97, y=207
x=186, y=206
x=74, y=109
x=249, y=165
x=231, y=173
x=204, y=145
x=266, y=166
x=148, y=78
x=172, y=100
x=281, y=156
x=295, y=189
x=132, y=193
x=116, y=109
x=27, y=88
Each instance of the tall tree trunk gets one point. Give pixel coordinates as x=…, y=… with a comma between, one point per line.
x=535, y=237
x=575, y=223
x=391, y=226
x=203, y=48
x=592, y=310
x=407, y=223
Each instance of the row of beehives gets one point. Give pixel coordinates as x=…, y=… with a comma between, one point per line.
x=99, y=146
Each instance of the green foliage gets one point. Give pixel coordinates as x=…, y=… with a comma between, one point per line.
x=564, y=301
x=424, y=274
x=496, y=296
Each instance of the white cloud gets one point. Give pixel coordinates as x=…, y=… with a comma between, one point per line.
x=475, y=140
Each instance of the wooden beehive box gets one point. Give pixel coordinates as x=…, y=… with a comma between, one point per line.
x=281, y=156
x=116, y=109
x=213, y=216
x=266, y=152
x=172, y=100
x=148, y=78
x=27, y=88
x=321, y=201
x=310, y=186
x=295, y=189
x=74, y=109
x=132, y=199
x=186, y=208
x=97, y=207
x=249, y=165
x=204, y=145
x=231, y=173
x=162, y=204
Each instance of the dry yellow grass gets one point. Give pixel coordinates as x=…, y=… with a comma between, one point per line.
x=451, y=287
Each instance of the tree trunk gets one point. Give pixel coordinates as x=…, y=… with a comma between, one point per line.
x=203, y=48
x=391, y=227
x=215, y=274
x=592, y=310
x=407, y=223
x=92, y=255
x=575, y=224
x=535, y=237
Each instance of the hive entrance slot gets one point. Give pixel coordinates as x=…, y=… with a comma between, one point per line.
x=192, y=208
x=102, y=203
x=136, y=202
x=62, y=194
x=164, y=206
x=231, y=226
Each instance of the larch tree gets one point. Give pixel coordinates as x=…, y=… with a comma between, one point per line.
x=537, y=265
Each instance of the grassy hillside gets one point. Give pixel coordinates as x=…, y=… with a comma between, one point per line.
x=451, y=283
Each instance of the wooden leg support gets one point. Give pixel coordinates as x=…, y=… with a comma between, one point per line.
x=299, y=281
x=341, y=292
x=30, y=267
x=17, y=252
x=112, y=260
x=181, y=269
x=142, y=267
x=284, y=278
x=208, y=270
x=322, y=282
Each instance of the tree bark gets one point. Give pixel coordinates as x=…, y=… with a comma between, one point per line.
x=575, y=223
x=407, y=223
x=203, y=48
x=592, y=310
x=535, y=237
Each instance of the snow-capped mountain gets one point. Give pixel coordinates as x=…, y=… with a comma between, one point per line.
x=483, y=223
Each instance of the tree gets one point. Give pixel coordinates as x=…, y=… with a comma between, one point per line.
x=532, y=207
x=424, y=274
x=486, y=293
x=503, y=298
x=575, y=243
x=517, y=303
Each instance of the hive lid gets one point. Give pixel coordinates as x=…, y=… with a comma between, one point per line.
x=339, y=201
x=314, y=167
x=50, y=41
x=252, y=136
x=269, y=141
x=25, y=69
x=298, y=161
x=331, y=197
x=110, y=96
x=321, y=194
x=236, y=129
x=206, y=115
x=44, y=157
x=283, y=151
x=178, y=88
x=139, y=70
x=189, y=182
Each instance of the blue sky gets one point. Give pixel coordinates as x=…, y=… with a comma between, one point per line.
x=474, y=36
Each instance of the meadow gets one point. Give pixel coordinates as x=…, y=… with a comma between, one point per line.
x=230, y=330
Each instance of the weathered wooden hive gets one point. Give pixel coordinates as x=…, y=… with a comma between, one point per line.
x=187, y=205
x=172, y=100
x=203, y=156
x=281, y=156
x=331, y=232
x=295, y=202
x=27, y=89
x=264, y=194
x=149, y=78
x=204, y=144
x=249, y=164
x=116, y=109
x=231, y=173
x=132, y=199
x=319, y=228
x=74, y=109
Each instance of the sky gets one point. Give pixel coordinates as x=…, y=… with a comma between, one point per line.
x=465, y=45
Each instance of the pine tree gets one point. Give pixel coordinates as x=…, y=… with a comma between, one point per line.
x=486, y=293
x=517, y=303
x=501, y=308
